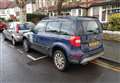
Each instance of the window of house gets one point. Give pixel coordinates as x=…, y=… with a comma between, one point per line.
x=104, y=11
x=96, y=12
x=73, y=11
x=79, y=12
x=84, y=12
x=103, y=15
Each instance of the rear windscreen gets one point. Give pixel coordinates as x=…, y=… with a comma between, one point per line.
x=26, y=26
x=91, y=26
x=23, y=27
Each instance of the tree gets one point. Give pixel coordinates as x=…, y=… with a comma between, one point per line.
x=59, y=6
x=21, y=4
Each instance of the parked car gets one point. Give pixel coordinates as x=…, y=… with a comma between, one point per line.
x=67, y=39
x=2, y=26
x=15, y=30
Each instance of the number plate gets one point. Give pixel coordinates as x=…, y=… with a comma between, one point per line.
x=94, y=44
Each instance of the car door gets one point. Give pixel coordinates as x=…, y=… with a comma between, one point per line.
x=51, y=34
x=37, y=36
x=45, y=37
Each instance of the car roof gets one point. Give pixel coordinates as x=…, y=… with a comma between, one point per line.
x=72, y=18
x=21, y=23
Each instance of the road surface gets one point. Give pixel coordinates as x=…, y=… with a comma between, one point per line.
x=16, y=67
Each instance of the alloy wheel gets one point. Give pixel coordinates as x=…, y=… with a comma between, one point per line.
x=59, y=60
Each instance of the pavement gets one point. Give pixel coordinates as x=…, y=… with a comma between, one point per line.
x=16, y=67
x=112, y=50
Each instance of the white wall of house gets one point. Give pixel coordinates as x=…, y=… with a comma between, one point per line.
x=12, y=11
x=3, y=14
x=97, y=12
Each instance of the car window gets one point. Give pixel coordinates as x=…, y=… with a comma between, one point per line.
x=79, y=28
x=23, y=27
x=67, y=28
x=91, y=26
x=30, y=25
x=53, y=27
x=40, y=27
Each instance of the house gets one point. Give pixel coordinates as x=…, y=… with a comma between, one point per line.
x=97, y=8
x=7, y=9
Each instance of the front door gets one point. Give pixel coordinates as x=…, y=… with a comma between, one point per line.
x=37, y=37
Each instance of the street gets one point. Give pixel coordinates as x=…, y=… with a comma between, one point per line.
x=16, y=67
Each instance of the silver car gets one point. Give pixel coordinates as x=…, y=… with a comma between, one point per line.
x=15, y=31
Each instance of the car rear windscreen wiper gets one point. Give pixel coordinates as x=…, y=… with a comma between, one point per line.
x=93, y=31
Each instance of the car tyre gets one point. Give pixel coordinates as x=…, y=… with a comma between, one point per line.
x=13, y=42
x=1, y=30
x=26, y=45
x=60, y=60
x=4, y=37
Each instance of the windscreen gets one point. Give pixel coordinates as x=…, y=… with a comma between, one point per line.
x=91, y=26
x=26, y=26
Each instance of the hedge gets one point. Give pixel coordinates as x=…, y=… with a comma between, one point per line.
x=35, y=17
x=113, y=24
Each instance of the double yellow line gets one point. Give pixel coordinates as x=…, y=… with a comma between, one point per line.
x=106, y=65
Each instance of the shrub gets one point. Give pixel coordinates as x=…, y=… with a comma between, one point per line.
x=105, y=26
x=114, y=22
x=2, y=19
x=35, y=17
x=9, y=20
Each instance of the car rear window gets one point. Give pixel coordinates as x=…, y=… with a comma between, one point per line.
x=25, y=26
x=67, y=28
x=91, y=26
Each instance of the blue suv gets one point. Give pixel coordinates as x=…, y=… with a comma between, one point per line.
x=67, y=39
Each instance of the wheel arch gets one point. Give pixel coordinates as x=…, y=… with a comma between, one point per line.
x=59, y=47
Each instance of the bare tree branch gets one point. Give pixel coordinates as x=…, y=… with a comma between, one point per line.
x=59, y=6
x=21, y=3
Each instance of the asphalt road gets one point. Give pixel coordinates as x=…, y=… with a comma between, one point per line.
x=15, y=67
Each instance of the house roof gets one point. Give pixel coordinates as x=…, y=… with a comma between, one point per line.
x=4, y=4
x=103, y=2
x=78, y=4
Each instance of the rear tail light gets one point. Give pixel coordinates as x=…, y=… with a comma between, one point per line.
x=75, y=41
x=17, y=28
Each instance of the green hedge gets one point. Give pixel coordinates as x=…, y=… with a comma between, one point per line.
x=105, y=26
x=2, y=19
x=35, y=17
x=113, y=24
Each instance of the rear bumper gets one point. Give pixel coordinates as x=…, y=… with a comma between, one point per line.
x=85, y=60
x=80, y=57
x=18, y=38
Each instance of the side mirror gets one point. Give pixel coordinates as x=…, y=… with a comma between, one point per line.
x=33, y=30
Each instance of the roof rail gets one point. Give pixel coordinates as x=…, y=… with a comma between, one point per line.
x=67, y=17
